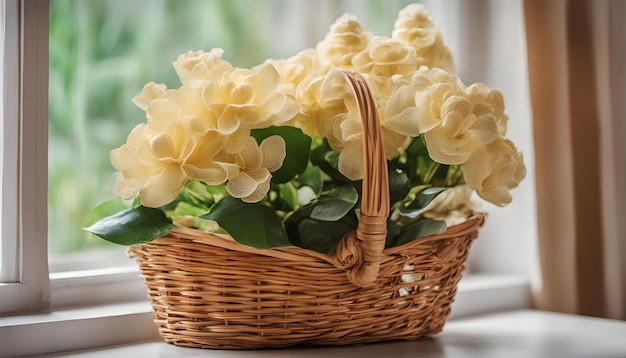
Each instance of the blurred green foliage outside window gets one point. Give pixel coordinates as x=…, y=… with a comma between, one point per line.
x=103, y=52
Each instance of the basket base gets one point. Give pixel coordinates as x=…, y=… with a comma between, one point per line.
x=207, y=296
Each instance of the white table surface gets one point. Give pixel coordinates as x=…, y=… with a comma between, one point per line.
x=524, y=333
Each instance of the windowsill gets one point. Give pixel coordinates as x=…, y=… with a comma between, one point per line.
x=512, y=334
x=124, y=323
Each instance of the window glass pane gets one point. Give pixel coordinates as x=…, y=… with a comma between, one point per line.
x=103, y=52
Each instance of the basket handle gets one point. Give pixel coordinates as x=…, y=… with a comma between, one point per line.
x=360, y=252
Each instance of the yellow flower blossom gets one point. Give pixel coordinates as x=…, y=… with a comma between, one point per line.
x=431, y=88
x=495, y=169
x=455, y=120
x=414, y=27
x=250, y=179
x=196, y=68
x=492, y=101
x=151, y=91
x=345, y=39
x=247, y=99
x=157, y=165
x=300, y=77
x=461, y=131
x=177, y=143
x=453, y=206
x=384, y=60
x=340, y=123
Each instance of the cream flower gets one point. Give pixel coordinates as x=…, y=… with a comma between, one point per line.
x=301, y=76
x=422, y=99
x=340, y=123
x=415, y=28
x=178, y=143
x=251, y=179
x=196, y=68
x=461, y=132
x=294, y=70
x=151, y=91
x=453, y=206
x=495, y=169
x=383, y=60
x=345, y=39
x=247, y=99
x=455, y=120
x=157, y=165
x=492, y=100
x=412, y=108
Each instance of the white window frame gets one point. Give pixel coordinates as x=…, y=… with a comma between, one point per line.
x=25, y=166
x=109, y=303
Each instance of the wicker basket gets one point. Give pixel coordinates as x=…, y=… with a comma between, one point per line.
x=208, y=291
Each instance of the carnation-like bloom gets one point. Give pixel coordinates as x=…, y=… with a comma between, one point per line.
x=301, y=76
x=422, y=99
x=492, y=100
x=455, y=120
x=247, y=99
x=345, y=39
x=495, y=169
x=296, y=69
x=453, y=206
x=461, y=131
x=251, y=168
x=415, y=28
x=157, y=165
x=340, y=123
x=151, y=91
x=196, y=68
x=384, y=60
x=178, y=143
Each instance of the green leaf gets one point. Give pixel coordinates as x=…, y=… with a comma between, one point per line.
x=324, y=157
x=321, y=236
x=335, y=204
x=288, y=194
x=105, y=209
x=185, y=208
x=393, y=231
x=399, y=184
x=195, y=194
x=253, y=225
x=132, y=226
x=418, y=164
x=422, y=199
x=420, y=228
x=312, y=177
x=298, y=146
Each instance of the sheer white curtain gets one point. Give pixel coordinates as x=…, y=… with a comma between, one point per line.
x=488, y=41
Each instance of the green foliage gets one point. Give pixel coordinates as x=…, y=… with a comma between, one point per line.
x=132, y=226
x=249, y=224
x=415, y=230
x=101, y=55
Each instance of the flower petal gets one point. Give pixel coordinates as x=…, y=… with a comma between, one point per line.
x=241, y=186
x=274, y=151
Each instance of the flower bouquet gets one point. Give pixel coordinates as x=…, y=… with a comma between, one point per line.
x=324, y=198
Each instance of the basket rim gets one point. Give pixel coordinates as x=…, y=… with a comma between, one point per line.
x=296, y=253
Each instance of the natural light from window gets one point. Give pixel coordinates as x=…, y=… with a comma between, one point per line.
x=101, y=55
x=103, y=52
